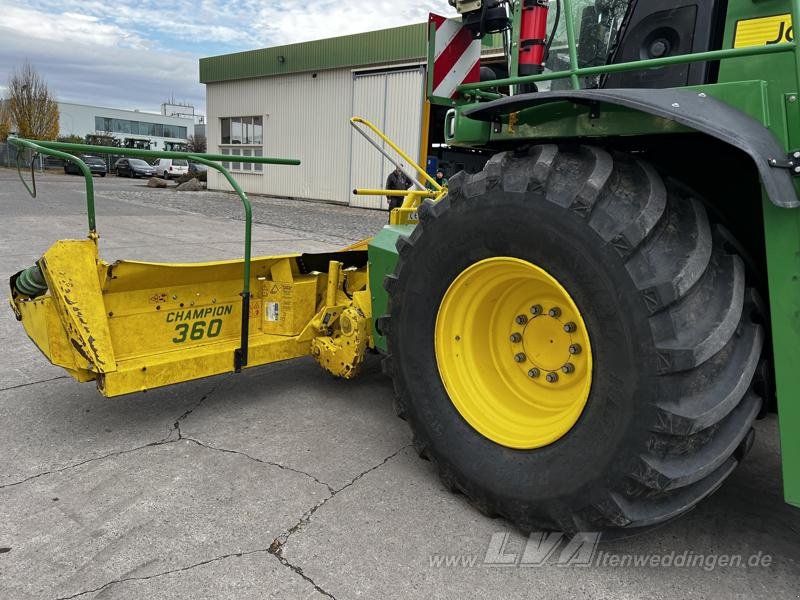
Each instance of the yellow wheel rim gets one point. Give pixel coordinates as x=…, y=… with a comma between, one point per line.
x=513, y=353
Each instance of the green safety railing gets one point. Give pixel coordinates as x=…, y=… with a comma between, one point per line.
x=64, y=151
x=575, y=72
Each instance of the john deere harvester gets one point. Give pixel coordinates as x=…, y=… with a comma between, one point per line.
x=582, y=334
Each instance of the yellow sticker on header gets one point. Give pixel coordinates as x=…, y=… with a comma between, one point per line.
x=764, y=31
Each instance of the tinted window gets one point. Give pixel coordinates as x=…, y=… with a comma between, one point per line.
x=103, y=124
x=242, y=130
x=138, y=163
x=122, y=126
x=226, y=131
x=179, y=162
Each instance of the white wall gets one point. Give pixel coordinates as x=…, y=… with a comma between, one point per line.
x=392, y=101
x=79, y=119
x=307, y=118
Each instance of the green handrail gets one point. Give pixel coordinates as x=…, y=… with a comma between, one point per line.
x=240, y=359
x=38, y=148
x=572, y=45
x=61, y=149
x=575, y=72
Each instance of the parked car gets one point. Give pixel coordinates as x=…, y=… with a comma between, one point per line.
x=195, y=168
x=169, y=168
x=133, y=167
x=96, y=165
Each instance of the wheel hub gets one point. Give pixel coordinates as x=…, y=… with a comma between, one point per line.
x=546, y=342
x=513, y=352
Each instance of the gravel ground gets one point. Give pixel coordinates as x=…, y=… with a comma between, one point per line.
x=326, y=221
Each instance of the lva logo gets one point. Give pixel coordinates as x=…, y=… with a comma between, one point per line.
x=543, y=547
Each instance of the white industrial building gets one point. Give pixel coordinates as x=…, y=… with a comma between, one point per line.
x=133, y=128
x=296, y=101
x=299, y=99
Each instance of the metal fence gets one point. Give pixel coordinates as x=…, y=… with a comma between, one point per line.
x=8, y=158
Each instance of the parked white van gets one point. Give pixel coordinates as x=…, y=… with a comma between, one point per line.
x=170, y=168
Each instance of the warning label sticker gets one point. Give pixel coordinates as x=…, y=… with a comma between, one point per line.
x=273, y=311
x=764, y=31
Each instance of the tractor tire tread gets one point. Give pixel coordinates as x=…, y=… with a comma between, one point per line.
x=706, y=326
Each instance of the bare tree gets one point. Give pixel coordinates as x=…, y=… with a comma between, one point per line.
x=31, y=107
x=196, y=143
x=5, y=122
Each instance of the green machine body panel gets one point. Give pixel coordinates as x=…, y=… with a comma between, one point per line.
x=382, y=260
x=781, y=77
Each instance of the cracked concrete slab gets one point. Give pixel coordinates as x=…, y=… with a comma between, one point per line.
x=53, y=424
x=255, y=576
x=140, y=513
x=384, y=536
x=304, y=418
x=22, y=363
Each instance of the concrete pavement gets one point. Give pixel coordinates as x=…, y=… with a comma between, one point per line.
x=283, y=482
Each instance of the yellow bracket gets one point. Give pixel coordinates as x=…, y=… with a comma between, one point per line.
x=412, y=199
x=407, y=212
x=356, y=121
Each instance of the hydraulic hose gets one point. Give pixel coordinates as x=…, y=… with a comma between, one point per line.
x=30, y=282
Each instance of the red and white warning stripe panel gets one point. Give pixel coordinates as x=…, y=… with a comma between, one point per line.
x=457, y=57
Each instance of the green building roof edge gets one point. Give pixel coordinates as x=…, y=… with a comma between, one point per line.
x=407, y=43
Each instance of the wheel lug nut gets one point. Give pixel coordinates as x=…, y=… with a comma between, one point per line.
x=521, y=319
x=568, y=368
x=536, y=310
x=575, y=349
x=520, y=357
x=554, y=312
x=515, y=338
x=570, y=327
x=551, y=377
x=534, y=373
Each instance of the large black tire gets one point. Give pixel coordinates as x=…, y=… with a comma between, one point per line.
x=675, y=332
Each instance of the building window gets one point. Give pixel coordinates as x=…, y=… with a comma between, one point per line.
x=104, y=124
x=242, y=130
x=122, y=126
x=240, y=166
x=175, y=131
x=226, y=131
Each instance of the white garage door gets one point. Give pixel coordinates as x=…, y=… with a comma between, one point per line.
x=393, y=101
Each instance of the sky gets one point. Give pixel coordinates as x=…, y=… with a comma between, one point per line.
x=136, y=55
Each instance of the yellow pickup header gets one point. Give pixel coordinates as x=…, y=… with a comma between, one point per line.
x=764, y=31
